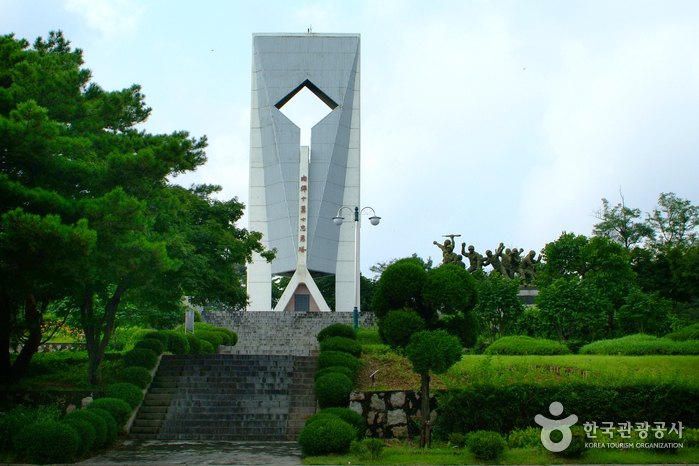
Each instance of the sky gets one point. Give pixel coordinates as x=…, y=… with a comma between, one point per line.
x=500, y=121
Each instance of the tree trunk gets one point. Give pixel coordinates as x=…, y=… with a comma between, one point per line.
x=426, y=431
x=5, y=322
x=13, y=373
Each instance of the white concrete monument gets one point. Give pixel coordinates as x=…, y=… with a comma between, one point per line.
x=296, y=191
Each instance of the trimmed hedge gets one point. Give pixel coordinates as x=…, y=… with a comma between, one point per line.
x=119, y=409
x=162, y=337
x=47, y=442
x=152, y=344
x=125, y=391
x=399, y=325
x=640, y=344
x=86, y=434
x=112, y=429
x=337, y=358
x=351, y=417
x=194, y=343
x=139, y=376
x=326, y=436
x=211, y=336
x=334, y=370
x=206, y=347
x=337, y=330
x=225, y=338
x=506, y=408
x=333, y=390
x=141, y=357
x=177, y=342
x=346, y=345
x=522, y=345
x=96, y=421
x=486, y=444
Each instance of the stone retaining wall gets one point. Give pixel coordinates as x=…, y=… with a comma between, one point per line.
x=53, y=347
x=391, y=414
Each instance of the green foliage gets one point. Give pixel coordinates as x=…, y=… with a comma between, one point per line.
x=620, y=224
x=577, y=444
x=367, y=449
x=213, y=338
x=400, y=287
x=487, y=445
x=351, y=417
x=152, y=344
x=225, y=338
x=206, y=347
x=521, y=345
x=194, y=343
x=337, y=358
x=47, y=442
x=343, y=344
x=524, y=438
x=691, y=332
x=641, y=344
x=119, y=409
x=326, y=436
x=125, y=391
x=12, y=421
x=368, y=336
x=399, y=325
x=86, y=434
x=644, y=313
x=97, y=422
x=162, y=337
x=334, y=370
x=333, y=390
x=674, y=222
x=177, y=342
x=457, y=439
x=336, y=330
x=139, y=334
x=433, y=351
x=499, y=306
x=136, y=375
x=111, y=425
x=463, y=326
x=449, y=289
x=141, y=357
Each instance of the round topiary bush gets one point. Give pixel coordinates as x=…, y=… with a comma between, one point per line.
x=152, y=344
x=47, y=442
x=232, y=337
x=522, y=345
x=486, y=444
x=97, y=423
x=338, y=358
x=177, y=342
x=206, y=347
x=346, y=345
x=225, y=338
x=194, y=344
x=162, y=337
x=333, y=390
x=141, y=357
x=119, y=409
x=86, y=434
x=139, y=376
x=334, y=370
x=326, y=436
x=337, y=330
x=211, y=336
x=398, y=326
x=125, y=391
x=351, y=417
x=111, y=425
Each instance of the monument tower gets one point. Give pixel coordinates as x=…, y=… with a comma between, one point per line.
x=295, y=191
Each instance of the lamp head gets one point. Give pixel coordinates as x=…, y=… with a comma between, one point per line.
x=338, y=220
x=374, y=220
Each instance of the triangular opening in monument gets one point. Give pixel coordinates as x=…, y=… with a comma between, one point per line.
x=305, y=106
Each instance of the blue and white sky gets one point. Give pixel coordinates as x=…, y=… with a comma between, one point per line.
x=497, y=120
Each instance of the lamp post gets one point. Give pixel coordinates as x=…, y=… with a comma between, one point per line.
x=374, y=220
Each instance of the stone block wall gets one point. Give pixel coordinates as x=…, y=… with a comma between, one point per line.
x=391, y=414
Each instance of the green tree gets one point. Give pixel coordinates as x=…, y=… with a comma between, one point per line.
x=645, y=313
x=674, y=221
x=621, y=224
x=499, y=306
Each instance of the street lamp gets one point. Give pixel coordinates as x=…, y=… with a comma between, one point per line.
x=374, y=220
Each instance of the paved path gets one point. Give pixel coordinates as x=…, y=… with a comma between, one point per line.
x=190, y=453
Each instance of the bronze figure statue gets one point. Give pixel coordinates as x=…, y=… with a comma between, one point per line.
x=526, y=269
x=475, y=260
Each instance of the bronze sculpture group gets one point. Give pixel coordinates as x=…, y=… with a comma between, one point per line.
x=505, y=261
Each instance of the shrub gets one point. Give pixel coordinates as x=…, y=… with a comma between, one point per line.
x=111, y=425
x=86, y=434
x=96, y=421
x=139, y=376
x=326, y=436
x=119, y=409
x=194, y=343
x=225, y=338
x=577, y=444
x=21, y=416
x=522, y=345
x=524, y=438
x=334, y=370
x=346, y=345
x=206, y=347
x=399, y=326
x=125, y=391
x=486, y=444
x=152, y=344
x=458, y=439
x=141, y=357
x=232, y=336
x=336, y=330
x=138, y=335
x=367, y=449
x=332, y=390
x=641, y=344
x=177, y=342
x=162, y=337
x=351, y=417
x=337, y=358
x=212, y=337
x=47, y=442
x=687, y=333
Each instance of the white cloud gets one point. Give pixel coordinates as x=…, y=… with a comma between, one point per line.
x=108, y=17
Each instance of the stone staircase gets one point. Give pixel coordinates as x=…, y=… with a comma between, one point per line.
x=288, y=333
x=303, y=402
